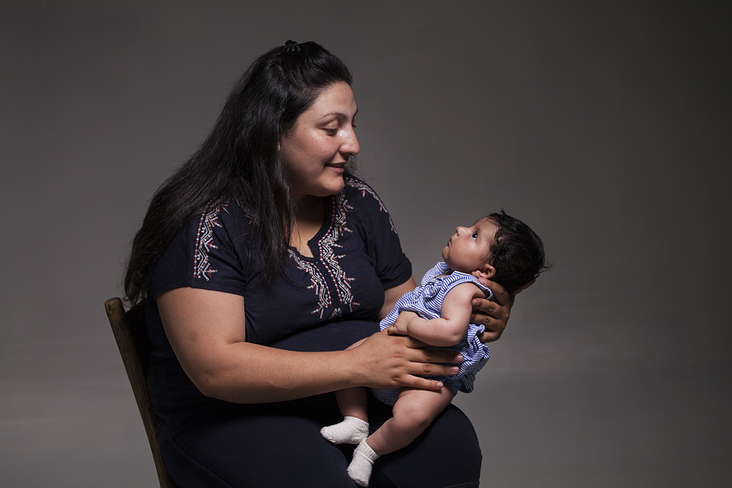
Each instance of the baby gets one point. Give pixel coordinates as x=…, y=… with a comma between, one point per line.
x=498, y=248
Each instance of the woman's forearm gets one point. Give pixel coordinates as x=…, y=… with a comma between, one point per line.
x=250, y=373
x=206, y=330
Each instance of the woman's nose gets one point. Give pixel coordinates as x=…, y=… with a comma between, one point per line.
x=350, y=144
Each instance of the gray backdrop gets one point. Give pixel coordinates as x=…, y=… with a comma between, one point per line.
x=604, y=125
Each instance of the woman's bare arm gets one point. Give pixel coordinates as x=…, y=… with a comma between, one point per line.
x=207, y=332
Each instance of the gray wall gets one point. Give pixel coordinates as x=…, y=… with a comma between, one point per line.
x=604, y=125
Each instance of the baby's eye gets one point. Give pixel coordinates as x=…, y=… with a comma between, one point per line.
x=475, y=235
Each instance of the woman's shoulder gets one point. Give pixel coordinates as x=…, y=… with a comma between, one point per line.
x=359, y=199
x=221, y=227
x=361, y=195
x=221, y=214
x=209, y=251
x=357, y=187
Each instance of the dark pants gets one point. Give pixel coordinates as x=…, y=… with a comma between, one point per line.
x=280, y=446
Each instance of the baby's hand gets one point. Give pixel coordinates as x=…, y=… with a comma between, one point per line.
x=401, y=326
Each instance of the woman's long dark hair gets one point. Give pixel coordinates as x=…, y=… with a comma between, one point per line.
x=238, y=161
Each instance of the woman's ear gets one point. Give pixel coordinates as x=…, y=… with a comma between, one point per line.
x=486, y=272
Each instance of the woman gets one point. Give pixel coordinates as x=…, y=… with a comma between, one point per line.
x=261, y=260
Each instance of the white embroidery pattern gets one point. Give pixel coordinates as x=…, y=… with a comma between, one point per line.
x=364, y=189
x=205, y=241
x=327, y=246
x=330, y=261
x=317, y=283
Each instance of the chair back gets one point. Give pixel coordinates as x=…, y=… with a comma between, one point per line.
x=130, y=332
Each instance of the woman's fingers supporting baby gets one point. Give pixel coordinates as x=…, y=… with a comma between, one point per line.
x=430, y=362
x=493, y=314
x=392, y=361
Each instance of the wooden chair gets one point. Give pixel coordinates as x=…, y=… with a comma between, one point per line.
x=130, y=332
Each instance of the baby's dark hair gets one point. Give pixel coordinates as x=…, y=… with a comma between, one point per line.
x=517, y=253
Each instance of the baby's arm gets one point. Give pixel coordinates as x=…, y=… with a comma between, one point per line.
x=451, y=326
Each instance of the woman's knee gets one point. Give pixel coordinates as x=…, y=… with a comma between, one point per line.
x=447, y=454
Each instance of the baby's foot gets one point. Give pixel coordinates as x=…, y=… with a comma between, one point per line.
x=362, y=463
x=351, y=430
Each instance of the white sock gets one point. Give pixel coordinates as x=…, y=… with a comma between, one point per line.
x=351, y=430
x=363, y=461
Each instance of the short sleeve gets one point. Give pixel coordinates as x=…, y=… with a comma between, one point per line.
x=380, y=235
x=208, y=252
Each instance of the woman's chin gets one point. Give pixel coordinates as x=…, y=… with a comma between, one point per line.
x=335, y=186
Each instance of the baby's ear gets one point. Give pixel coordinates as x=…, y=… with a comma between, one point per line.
x=486, y=272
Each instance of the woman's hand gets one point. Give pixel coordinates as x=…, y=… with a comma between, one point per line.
x=392, y=361
x=494, y=314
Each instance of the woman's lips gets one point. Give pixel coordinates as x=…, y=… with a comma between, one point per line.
x=337, y=167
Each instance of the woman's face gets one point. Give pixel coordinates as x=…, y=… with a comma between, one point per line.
x=316, y=150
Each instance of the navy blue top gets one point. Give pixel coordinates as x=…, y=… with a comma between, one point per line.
x=326, y=302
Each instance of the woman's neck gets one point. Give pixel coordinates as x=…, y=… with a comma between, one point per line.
x=309, y=217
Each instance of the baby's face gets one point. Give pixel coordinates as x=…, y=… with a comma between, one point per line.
x=469, y=248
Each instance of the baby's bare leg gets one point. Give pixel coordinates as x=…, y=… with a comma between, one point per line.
x=354, y=427
x=413, y=412
x=352, y=403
